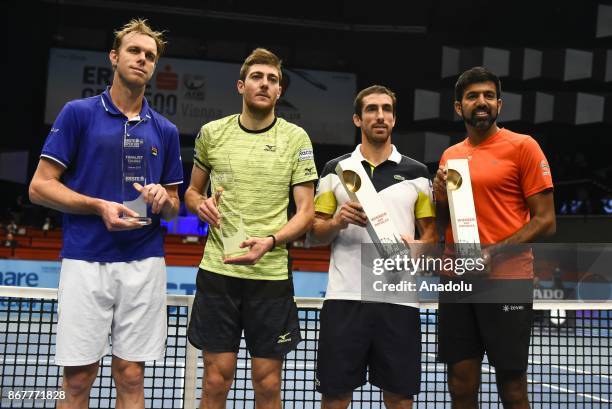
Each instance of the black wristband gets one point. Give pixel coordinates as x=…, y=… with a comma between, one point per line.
x=273, y=241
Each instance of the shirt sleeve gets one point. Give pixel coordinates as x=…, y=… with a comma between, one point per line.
x=200, y=156
x=534, y=169
x=63, y=139
x=443, y=159
x=173, y=166
x=325, y=200
x=424, y=206
x=304, y=168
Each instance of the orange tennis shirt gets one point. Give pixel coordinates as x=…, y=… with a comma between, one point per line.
x=505, y=170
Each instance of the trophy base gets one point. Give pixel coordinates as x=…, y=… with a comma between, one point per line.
x=237, y=253
x=143, y=221
x=232, y=235
x=231, y=246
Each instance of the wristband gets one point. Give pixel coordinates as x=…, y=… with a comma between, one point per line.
x=273, y=241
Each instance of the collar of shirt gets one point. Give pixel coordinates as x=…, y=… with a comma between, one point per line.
x=394, y=157
x=109, y=106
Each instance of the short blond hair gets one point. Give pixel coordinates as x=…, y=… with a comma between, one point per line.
x=261, y=56
x=138, y=25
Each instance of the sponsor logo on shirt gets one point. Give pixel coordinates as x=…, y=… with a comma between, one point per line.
x=399, y=177
x=270, y=148
x=309, y=171
x=54, y=130
x=545, y=167
x=305, y=154
x=154, y=150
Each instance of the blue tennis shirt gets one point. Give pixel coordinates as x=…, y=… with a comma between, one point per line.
x=87, y=139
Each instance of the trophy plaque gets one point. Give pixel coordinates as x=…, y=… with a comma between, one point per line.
x=134, y=170
x=461, y=206
x=232, y=225
x=381, y=228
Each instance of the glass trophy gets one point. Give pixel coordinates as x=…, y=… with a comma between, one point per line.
x=134, y=171
x=232, y=225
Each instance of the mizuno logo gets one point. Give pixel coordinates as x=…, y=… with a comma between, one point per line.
x=284, y=338
x=270, y=148
x=399, y=177
x=308, y=171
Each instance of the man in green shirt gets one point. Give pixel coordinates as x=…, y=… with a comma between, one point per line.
x=253, y=160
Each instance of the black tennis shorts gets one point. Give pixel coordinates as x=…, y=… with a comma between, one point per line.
x=224, y=306
x=357, y=338
x=503, y=331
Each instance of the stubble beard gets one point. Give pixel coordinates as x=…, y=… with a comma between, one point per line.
x=375, y=139
x=257, y=110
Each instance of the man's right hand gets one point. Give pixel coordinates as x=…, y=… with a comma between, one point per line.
x=208, y=212
x=439, y=186
x=111, y=213
x=351, y=213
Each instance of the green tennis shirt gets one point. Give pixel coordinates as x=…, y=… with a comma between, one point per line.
x=256, y=170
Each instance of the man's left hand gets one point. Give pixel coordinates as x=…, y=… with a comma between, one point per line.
x=487, y=254
x=258, y=246
x=155, y=195
x=415, y=246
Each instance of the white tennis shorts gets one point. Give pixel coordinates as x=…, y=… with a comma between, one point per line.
x=125, y=299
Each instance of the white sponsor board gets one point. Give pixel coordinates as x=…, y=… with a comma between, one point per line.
x=191, y=92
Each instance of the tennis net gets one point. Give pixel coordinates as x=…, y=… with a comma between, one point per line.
x=569, y=364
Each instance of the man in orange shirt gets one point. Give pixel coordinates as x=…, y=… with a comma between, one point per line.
x=512, y=189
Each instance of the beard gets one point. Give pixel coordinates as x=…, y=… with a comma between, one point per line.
x=375, y=139
x=478, y=122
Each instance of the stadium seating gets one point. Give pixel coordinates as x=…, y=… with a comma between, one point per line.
x=180, y=250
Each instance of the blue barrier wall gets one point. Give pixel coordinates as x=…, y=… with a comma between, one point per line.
x=181, y=280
